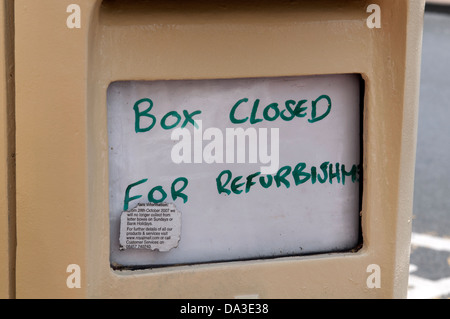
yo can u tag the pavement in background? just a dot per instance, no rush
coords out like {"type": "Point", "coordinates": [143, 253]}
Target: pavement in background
{"type": "Point", "coordinates": [430, 255]}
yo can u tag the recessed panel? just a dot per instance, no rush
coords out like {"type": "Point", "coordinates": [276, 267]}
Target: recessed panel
{"type": "Point", "coordinates": [233, 169]}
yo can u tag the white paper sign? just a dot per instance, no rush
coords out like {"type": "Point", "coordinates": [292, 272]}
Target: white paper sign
{"type": "Point", "coordinates": [257, 168]}
{"type": "Point", "coordinates": [150, 226]}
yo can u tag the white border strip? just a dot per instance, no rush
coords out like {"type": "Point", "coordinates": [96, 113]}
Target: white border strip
{"type": "Point", "coordinates": [432, 242]}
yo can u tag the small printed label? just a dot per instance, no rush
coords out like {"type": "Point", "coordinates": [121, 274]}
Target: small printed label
{"type": "Point", "coordinates": [150, 226]}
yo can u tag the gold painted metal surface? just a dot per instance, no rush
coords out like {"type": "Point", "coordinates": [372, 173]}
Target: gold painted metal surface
{"type": "Point", "coordinates": [62, 158]}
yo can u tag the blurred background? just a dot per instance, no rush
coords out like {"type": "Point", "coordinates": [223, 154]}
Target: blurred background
{"type": "Point", "coordinates": [430, 249]}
